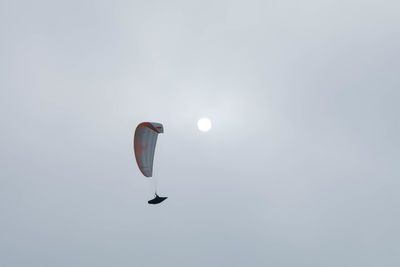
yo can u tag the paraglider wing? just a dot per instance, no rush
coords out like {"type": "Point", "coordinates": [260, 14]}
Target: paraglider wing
{"type": "Point", "coordinates": [144, 145]}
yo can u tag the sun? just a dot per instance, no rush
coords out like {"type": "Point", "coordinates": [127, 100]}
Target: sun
{"type": "Point", "coordinates": [204, 124]}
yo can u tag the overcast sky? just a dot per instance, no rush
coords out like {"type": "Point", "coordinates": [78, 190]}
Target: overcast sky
{"type": "Point", "coordinates": [301, 167]}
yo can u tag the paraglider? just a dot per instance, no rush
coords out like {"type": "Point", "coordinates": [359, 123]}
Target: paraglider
{"type": "Point", "coordinates": [144, 145]}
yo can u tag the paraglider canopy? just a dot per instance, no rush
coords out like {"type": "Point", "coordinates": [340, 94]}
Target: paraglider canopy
{"type": "Point", "coordinates": [144, 145]}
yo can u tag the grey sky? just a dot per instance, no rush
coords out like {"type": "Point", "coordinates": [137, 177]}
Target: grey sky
{"type": "Point", "coordinates": [301, 167]}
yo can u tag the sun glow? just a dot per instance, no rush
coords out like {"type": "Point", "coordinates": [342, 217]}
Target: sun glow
{"type": "Point", "coordinates": [204, 124]}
